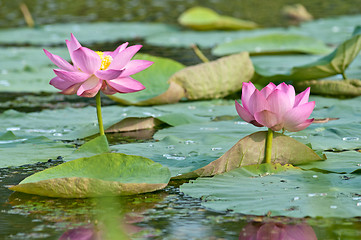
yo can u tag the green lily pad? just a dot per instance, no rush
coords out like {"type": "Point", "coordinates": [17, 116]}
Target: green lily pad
{"type": "Point", "coordinates": [251, 190]}
{"type": "Point", "coordinates": [338, 162]}
{"type": "Point", "coordinates": [78, 123]}
{"type": "Point", "coordinates": [86, 33]}
{"type": "Point", "coordinates": [273, 43]}
{"type": "Point", "coordinates": [333, 88]}
{"type": "Point", "coordinates": [333, 30]}
{"type": "Point", "coordinates": [27, 58]}
{"type": "Point", "coordinates": [205, 39]}
{"type": "Point", "coordinates": [108, 174]}
{"type": "Point", "coordinates": [250, 150]}
{"type": "Point", "coordinates": [155, 79]}
{"type": "Point", "coordinates": [201, 18]}
{"type": "Point", "coordinates": [31, 80]}
{"type": "Point", "coordinates": [332, 64]}
{"type": "Point", "coordinates": [215, 79]}
{"type": "Point", "coordinates": [21, 150]}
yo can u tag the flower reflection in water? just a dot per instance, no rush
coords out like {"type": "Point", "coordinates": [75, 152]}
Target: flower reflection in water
{"type": "Point", "coordinates": [277, 231]}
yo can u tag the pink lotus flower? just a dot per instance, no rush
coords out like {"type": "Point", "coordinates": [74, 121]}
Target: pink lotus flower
{"type": "Point", "coordinates": [275, 107]}
{"type": "Point", "coordinates": [93, 71]}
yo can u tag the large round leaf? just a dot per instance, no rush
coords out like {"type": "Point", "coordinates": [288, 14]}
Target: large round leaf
{"type": "Point", "coordinates": [270, 189]}
{"type": "Point", "coordinates": [250, 150]}
{"type": "Point", "coordinates": [27, 149]}
{"type": "Point", "coordinates": [108, 174]}
{"type": "Point", "coordinates": [273, 43]}
{"type": "Point", "coordinates": [86, 33]}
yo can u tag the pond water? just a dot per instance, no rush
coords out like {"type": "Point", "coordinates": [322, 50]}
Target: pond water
{"type": "Point", "coordinates": [166, 214]}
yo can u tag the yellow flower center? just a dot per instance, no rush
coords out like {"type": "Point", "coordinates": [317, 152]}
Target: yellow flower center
{"type": "Point", "coordinates": [106, 60]}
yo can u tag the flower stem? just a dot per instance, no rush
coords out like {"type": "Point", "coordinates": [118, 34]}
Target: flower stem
{"type": "Point", "coordinates": [199, 53]}
{"type": "Point", "coordinates": [99, 113]}
{"type": "Point", "coordinates": [344, 76]}
{"type": "Point", "coordinates": [269, 146]}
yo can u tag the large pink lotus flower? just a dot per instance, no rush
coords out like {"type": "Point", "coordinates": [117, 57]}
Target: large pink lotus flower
{"type": "Point", "coordinates": [275, 107]}
{"type": "Point", "coordinates": [93, 71]}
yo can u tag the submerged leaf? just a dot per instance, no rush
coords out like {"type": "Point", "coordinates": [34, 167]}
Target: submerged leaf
{"type": "Point", "coordinates": [201, 18]}
{"type": "Point", "coordinates": [286, 192]}
{"type": "Point", "coordinates": [250, 150]}
{"type": "Point", "coordinates": [108, 174]}
{"type": "Point", "coordinates": [273, 43]}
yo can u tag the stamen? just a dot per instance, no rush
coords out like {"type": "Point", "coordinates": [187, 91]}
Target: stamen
{"type": "Point", "coordinates": [106, 60]}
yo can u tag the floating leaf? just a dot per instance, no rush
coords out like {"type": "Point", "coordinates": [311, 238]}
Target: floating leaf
{"type": "Point", "coordinates": [20, 150]}
{"type": "Point", "coordinates": [332, 64]}
{"type": "Point", "coordinates": [293, 193]}
{"type": "Point", "coordinates": [93, 147]}
{"type": "Point", "coordinates": [215, 79]}
{"type": "Point", "coordinates": [338, 162]}
{"type": "Point", "coordinates": [86, 33]}
{"type": "Point", "coordinates": [250, 150]}
{"type": "Point", "coordinates": [272, 43]}
{"type": "Point", "coordinates": [155, 79]}
{"type": "Point", "coordinates": [205, 39]}
{"type": "Point", "coordinates": [333, 30]}
{"type": "Point", "coordinates": [201, 18]}
{"type": "Point", "coordinates": [333, 88]}
{"type": "Point", "coordinates": [27, 58]}
{"type": "Point", "coordinates": [108, 174]}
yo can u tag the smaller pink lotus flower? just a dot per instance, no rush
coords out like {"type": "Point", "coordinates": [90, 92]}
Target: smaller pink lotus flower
{"type": "Point", "coordinates": [93, 71]}
{"type": "Point", "coordinates": [275, 107]}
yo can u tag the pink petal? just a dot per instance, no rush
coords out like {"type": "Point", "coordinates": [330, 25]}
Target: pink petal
{"type": "Point", "coordinates": [73, 77]}
{"type": "Point", "coordinates": [108, 74]}
{"type": "Point", "coordinates": [298, 115]}
{"type": "Point", "coordinates": [243, 113]}
{"type": "Point", "coordinates": [91, 85]}
{"type": "Point", "coordinates": [269, 119]}
{"type": "Point", "coordinates": [247, 91]}
{"type": "Point", "coordinates": [60, 84]}
{"type": "Point", "coordinates": [289, 90]}
{"type": "Point", "coordinates": [60, 62]}
{"type": "Point", "coordinates": [117, 51]}
{"type": "Point", "coordinates": [71, 90]}
{"type": "Point", "coordinates": [266, 91]}
{"type": "Point", "coordinates": [126, 85]}
{"type": "Point", "coordinates": [299, 127]}
{"type": "Point", "coordinates": [256, 103]}
{"type": "Point", "coordinates": [135, 66]}
{"type": "Point", "coordinates": [72, 45]}
{"type": "Point", "coordinates": [279, 102]}
{"type": "Point", "coordinates": [124, 57]}
{"type": "Point", "coordinates": [108, 90]}
{"type": "Point", "coordinates": [302, 97]}
{"type": "Point", "coordinates": [87, 60]}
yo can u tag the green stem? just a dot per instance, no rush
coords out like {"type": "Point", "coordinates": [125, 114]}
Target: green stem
{"type": "Point", "coordinates": [344, 76]}
{"type": "Point", "coordinates": [99, 113]}
{"type": "Point", "coordinates": [199, 53]}
{"type": "Point", "coordinates": [269, 146]}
